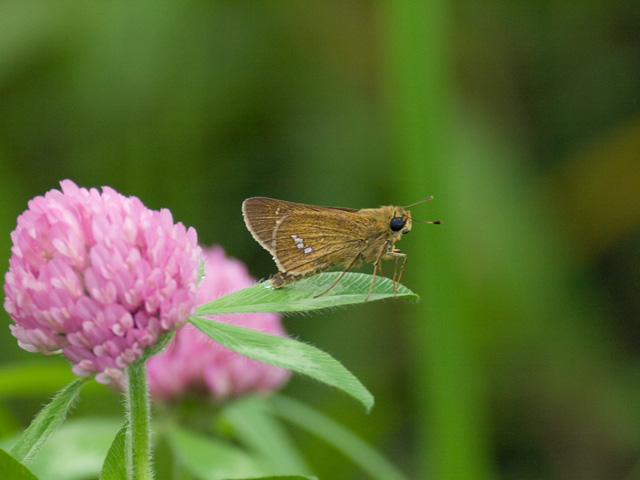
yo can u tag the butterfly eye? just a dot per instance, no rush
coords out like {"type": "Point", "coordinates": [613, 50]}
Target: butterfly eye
{"type": "Point", "coordinates": [396, 223]}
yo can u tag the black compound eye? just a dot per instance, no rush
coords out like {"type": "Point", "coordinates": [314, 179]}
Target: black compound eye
{"type": "Point", "coordinates": [396, 223]}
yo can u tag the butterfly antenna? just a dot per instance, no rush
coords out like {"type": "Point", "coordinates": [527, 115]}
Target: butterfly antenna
{"type": "Point", "coordinates": [432, 222]}
{"type": "Point", "coordinates": [421, 201]}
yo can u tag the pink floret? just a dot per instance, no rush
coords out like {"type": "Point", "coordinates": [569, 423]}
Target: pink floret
{"type": "Point", "coordinates": [98, 276]}
{"type": "Point", "coordinates": [194, 363]}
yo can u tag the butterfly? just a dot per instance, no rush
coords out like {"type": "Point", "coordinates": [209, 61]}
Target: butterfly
{"type": "Point", "coordinates": [307, 239]}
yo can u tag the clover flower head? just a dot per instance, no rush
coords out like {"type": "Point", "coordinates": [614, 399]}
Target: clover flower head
{"type": "Point", "coordinates": [99, 277]}
{"type": "Point", "coordinates": [194, 363]}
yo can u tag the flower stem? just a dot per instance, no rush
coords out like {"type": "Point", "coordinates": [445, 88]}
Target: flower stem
{"type": "Point", "coordinates": [139, 438]}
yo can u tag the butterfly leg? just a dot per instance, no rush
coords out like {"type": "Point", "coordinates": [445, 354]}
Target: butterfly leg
{"type": "Point", "coordinates": [377, 265]}
{"type": "Point", "coordinates": [341, 275]}
{"type": "Point", "coordinates": [395, 273]}
{"type": "Point", "coordinates": [395, 269]}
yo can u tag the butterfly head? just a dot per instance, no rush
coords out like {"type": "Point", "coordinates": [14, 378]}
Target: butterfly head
{"type": "Point", "coordinates": [400, 222]}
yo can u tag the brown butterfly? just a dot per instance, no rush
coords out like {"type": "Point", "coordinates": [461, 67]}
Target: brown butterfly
{"type": "Point", "coordinates": [308, 239]}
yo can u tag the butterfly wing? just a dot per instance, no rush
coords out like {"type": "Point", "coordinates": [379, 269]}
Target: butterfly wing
{"type": "Point", "coordinates": [304, 239]}
{"type": "Point", "coordinates": [310, 242]}
{"type": "Point", "coordinates": [262, 216]}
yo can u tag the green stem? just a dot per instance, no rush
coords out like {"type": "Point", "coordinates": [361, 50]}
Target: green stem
{"type": "Point", "coordinates": [139, 437]}
{"type": "Point", "coordinates": [453, 437]}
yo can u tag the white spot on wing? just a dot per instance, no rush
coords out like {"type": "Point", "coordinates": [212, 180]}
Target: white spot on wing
{"type": "Point", "coordinates": [307, 250]}
{"type": "Point", "coordinates": [298, 241]}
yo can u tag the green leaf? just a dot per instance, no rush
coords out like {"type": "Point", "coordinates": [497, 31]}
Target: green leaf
{"type": "Point", "coordinates": [299, 296]}
{"type": "Point", "coordinates": [46, 422]}
{"type": "Point", "coordinates": [13, 469]}
{"type": "Point", "coordinates": [77, 449]}
{"type": "Point", "coordinates": [201, 271]}
{"type": "Point", "coordinates": [353, 447]}
{"type": "Point", "coordinates": [255, 426]}
{"type": "Point", "coordinates": [285, 477]}
{"type": "Point", "coordinates": [209, 458]}
{"type": "Point", "coordinates": [157, 347]}
{"type": "Point", "coordinates": [115, 464]}
{"type": "Point", "coordinates": [287, 353]}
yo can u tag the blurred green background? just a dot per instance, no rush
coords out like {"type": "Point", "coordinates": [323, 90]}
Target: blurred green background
{"type": "Point", "coordinates": [522, 118]}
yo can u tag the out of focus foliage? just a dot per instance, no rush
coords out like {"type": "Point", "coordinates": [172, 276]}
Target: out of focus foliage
{"type": "Point", "coordinates": [197, 105]}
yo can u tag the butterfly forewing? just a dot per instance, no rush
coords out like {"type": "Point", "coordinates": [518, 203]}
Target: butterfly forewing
{"type": "Point", "coordinates": [305, 238]}
{"type": "Point", "coordinates": [314, 241]}
{"type": "Point", "coordinates": [261, 216]}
